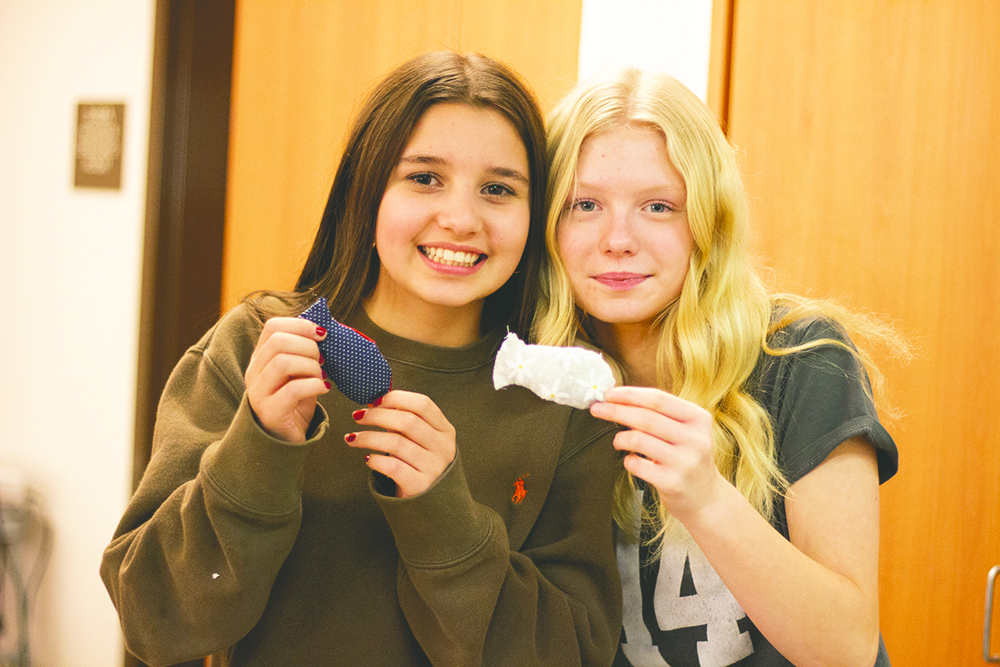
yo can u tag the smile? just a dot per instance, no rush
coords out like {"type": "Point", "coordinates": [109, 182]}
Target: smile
{"type": "Point", "coordinates": [451, 257]}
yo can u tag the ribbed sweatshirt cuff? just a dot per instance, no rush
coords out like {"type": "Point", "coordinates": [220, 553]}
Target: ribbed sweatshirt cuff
{"type": "Point", "coordinates": [441, 526]}
{"type": "Point", "coordinates": [260, 474]}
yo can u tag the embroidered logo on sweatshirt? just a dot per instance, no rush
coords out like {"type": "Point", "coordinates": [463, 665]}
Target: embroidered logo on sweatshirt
{"type": "Point", "coordinates": [519, 491]}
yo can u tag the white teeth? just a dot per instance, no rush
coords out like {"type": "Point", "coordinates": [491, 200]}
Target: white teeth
{"type": "Point", "coordinates": [450, 257]}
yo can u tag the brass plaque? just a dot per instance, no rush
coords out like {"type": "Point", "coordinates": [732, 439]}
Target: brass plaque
{"type": "Point", "coordinates": [99, 131]}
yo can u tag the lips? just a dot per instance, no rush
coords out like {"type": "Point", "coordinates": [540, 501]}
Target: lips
{"type": "Point", "coordinates": [620, 280]}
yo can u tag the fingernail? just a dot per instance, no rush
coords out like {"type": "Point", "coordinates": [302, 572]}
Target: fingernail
{"type": "Point", "coordinates": [358, 414]}
{"type": "Point", "coordinates": [367, 456]}
{"type": "Point", "coordinates": [327, 384]}
{"type": "Point", "coordinates": [350, 437]}
{"type": "Point", "coordinates": [320, 331]}
{"type": "Point", "coordinates": [323, 372]}
{"type": "Point", "coordinates": [321, 360]}
{"type": "Point", "coordinates": [377, 402]}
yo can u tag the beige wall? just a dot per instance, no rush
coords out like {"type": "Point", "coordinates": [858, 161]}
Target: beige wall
{"type": "Point", "coordinates": [69, 303]}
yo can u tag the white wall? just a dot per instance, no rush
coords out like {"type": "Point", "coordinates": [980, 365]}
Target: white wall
{"type": "Point", "coordinates": [672, 36]}
{"type": "Point", "coordinates": [69, 299]}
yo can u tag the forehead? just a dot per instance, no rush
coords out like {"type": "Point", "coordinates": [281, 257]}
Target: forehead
{"type": "Point", "coordinates": [449, 125]}
{"type": "Point", "coordinates": [627, 156]}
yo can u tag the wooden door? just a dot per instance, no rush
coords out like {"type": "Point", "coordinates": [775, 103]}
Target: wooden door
{"type": "Point", "coordinates": [300, 70]}
{"type": "Point", "coordinates": [871, 131]}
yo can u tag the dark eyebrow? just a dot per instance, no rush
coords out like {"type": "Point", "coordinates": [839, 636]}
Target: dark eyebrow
{"type": "Point", "coordinates": [420, 159]}
{"type": "Point", "coordinates": [502, 172]}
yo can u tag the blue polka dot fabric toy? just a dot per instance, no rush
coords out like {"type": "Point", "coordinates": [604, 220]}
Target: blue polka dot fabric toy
{"type": "Point", "coordinates": [350, 359]}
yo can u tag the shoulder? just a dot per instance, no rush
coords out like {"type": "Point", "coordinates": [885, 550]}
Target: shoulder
{"type": "Point", "coordinates": [804, 331]}
{"type": "Point", "coordinates": [228, 345]}
{"type": "Point", "coordinates": [235, 333]}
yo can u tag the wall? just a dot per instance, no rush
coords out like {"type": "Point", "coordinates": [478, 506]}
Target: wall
{"type": "Point", "coordinates": [69, 304]}
{"type": "Point", "coordinates": [672, 36]}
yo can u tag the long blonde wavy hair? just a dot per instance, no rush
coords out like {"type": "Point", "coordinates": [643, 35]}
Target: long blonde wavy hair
{"type": "Point", "coordinates": [710, 338]}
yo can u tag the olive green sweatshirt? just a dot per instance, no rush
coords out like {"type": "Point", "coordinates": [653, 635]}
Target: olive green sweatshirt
{"type": "Point", "coordinates": [268, 553]}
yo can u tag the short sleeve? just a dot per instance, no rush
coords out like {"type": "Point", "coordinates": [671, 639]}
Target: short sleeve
{"type": "Point", "coordinates": [817, 399]}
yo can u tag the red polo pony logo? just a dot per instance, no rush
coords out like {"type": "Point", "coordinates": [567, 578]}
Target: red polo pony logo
{"type": "Point", "coordinates": [519, 491]}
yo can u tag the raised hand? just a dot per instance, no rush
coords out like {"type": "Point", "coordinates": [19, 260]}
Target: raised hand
{"type": "Point", "coordinates": [670, 445]}
{"type": "Point", "coordinates": [284, 377]}
{"type": "Point", "coordinates": [416, 445]}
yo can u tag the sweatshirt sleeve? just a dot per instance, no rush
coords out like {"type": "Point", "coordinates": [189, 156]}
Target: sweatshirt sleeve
{"type": "Point", "coordinates": [192, 562]}
{"type": "Point", "coordinates": [471, 599]}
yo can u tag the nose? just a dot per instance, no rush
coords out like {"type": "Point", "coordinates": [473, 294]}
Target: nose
{"type": "Point", "coordinates": [459, 214]}
{"type": "Point", "coordinates": [617, 236]}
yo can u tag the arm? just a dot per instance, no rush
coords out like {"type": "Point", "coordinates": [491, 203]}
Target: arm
{"type": "Point", "coordinates": [191, 564]}
{"type": "Point", "coordinates": [472, 599]}
{"type": "Point", "coordinates": [814, 598]}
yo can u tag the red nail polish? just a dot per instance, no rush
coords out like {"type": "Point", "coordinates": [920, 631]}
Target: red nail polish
{"type": "Point", "coordinates": [367, 456]}
{"type": "Point", "coordinates": [321, 360]}
{"type": "Point", "coordinates": [323, 373]}
{"type": "Point", "coordinates": [327, 384]}
{"type": "Point", "coordinates": [358, 414]}
{"type": "Point", "coordinates": [350, 437]}
{"type": "Point", "coordinates": [377, 402]}
{"type": "Point", "coordinates": [320, 331]}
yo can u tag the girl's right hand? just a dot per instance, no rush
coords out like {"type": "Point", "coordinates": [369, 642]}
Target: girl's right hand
{"type": "Point", "coordinates": [284, 377]}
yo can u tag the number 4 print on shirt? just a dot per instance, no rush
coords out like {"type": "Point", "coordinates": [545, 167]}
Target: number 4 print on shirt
{"type": "Point", "coordinates": [678, 613]}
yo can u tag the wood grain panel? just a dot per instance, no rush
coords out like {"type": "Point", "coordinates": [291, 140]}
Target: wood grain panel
{"type": "Point", "coordinates": [870, 132]}
{"type": "Point", "coordinates": [301, 69]}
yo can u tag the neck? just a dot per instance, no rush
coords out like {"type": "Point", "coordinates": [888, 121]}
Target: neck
{"type": "Point", "coordinates": [634, 347]}
{"type": "Point", "coordinates": [434, 325]}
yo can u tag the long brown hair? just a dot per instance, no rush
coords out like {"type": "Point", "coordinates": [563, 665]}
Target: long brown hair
{"type": "Point", "coordinates": [342, 265]}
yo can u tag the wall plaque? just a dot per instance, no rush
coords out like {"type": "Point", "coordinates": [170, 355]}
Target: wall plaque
{"type": "Point", "coordinates": [99, 129]}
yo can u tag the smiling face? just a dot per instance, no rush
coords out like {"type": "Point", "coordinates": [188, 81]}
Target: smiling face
{"type": "Point", "coordinates": [624, 236]}
{"type": "Point", "coordinates": [453, 220]}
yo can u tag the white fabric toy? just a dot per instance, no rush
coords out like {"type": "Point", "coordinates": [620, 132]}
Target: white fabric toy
{"type": "Point", "coordinates": [566, 375]}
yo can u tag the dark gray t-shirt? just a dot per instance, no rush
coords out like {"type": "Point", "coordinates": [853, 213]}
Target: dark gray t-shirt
{"type": "Point", "coordinates": [678, 613]}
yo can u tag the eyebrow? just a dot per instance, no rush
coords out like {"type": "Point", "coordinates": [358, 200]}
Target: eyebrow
{"type": "Point", "coordinates": [433, 160]}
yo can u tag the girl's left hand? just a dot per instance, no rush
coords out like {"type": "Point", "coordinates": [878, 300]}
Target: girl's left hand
{"type": "Point", "coordinates": [417, 445]}
{"type": "Point", "coordinates": [670, 445]}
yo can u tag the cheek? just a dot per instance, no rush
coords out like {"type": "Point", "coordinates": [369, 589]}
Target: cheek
{"type": "Point", "coordinates": [572, 245]}
{"type": "Point", "coordinates": [512, 235]}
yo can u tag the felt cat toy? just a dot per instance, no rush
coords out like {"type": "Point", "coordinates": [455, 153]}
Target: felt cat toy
{"type": "Point", "coordinates": [566, 375]}
{"type": "Point", "coordinates": [350, 359]}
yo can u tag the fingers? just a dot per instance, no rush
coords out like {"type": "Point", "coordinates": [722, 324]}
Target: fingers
{"type": "Point", "coordinates": [416, 445]}
{"type": "Point", "coordinates": [286, 335]}
{"type": "Point", "coordinates": [284, 377]}
{"type": "Point", "coordinates": [668, 444]}
{"type": "Point", "coordinates": [654, 412]}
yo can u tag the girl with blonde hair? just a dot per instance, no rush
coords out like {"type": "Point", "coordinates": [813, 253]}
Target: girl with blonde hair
{"type": "Point", "coordinates": [753, 447]}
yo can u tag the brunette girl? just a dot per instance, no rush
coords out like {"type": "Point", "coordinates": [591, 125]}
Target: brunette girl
{"type": "Point", "coordinates": [279, 523]}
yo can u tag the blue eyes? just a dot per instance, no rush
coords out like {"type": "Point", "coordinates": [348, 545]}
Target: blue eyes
{"type": "Point", "coordinates": [659, 207]}
{"type": "Point", "coordinates": [589, 206]}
